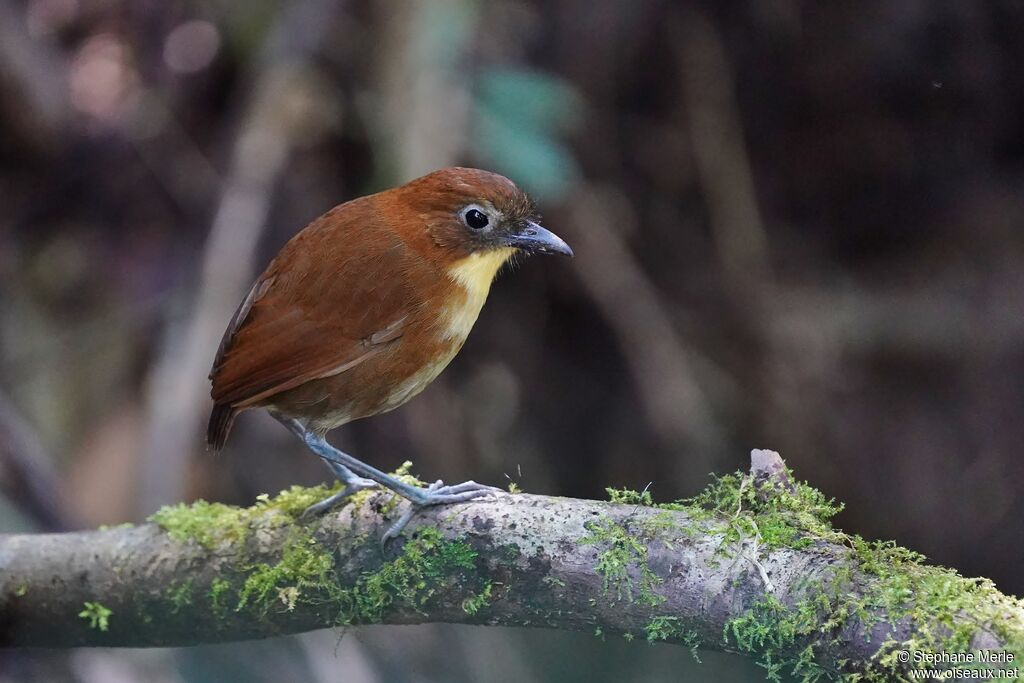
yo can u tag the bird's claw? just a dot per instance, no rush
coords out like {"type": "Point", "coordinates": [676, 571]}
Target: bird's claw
{"type": "Point", "coordinates": [438, 494]}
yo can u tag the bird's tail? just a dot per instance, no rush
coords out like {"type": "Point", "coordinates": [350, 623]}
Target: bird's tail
{"type": "Point", "coordinates": [221, 419]}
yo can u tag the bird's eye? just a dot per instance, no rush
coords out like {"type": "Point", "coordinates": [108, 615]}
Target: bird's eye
{"type": "Point", "coordinates": [476, 219]}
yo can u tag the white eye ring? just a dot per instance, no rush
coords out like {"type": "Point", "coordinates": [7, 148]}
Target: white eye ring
{"type": "Point", "coordinates": [476, 217]}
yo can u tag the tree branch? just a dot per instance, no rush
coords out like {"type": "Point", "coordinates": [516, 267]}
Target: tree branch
{"type": "Point", "coordinates": [750, 565]}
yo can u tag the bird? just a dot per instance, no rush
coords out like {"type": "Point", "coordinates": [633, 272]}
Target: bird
{"type": "Point", "coordinates": [364, 307]}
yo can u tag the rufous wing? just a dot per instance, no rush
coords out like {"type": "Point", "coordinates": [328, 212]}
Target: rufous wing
{"type": "Point", "coordinates": [338, 293]}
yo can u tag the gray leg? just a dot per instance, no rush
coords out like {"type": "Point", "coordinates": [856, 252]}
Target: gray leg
{"type": "Point", "coordinates": [435, 494]}
{"type": "Point", "coordinates": [352, 481]}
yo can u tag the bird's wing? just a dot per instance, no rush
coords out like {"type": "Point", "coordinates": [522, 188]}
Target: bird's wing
{"type": "Point", "coordinates": [316, 311]}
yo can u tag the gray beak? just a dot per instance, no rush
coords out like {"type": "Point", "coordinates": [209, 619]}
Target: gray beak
{"type": "Point", "coordinates": [534, 239]}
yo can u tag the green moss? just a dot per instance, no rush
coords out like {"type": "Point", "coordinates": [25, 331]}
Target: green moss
{"type": "Point", "coordinates": [770, 631]}
{"type": "Point", "coordinates": [305, 573]}
{"type": "Point", "coordinates": [667, 628]}
{"type": "Point", "coordinates": [97, 615]}
{"type": "Point", "coordinates": [663, 628]}
{"type": "Point", "coordinates": [180, 595]}
{"type": "Point", "coordinates": [896, 583]}
{"type": "Point", "coordinates": [211, 524]}
{"type": "Point", "coordinates": [629, 496]}
{"type": "Point", "coordinates": [508, 552]}
{"type": "Point", "coordinates": [428, 564]}
{"type": "Point", "coordinates": [294, 500]}
{"type": "Point", "coordinates": [624, 552]}
{"type": "Point", "coordinates": [938, 601]}
{"type": "Point", "coordinates": [775, 515]}
{"type": "Point", "coordinates": [878, 578]}
{"type": "Point", "coordinates": [475, 603]}
{"type": "Point", "coordinates": [219, 590]}
{"type": "Point", "coordinates": [304, 565]}
{"type": "Point", "coordinates": [208, 524]}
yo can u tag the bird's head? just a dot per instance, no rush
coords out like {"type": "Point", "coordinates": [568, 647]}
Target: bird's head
{"type": "Point", "coordinates": [466, 212]}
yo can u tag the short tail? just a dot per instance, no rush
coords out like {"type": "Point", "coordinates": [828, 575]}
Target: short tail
{"type": "Point", "coordinates": [221, 419]}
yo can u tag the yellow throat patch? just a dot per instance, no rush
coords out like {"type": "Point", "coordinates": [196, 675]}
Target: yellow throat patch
{"type": "Point", "coordinates": [474, 274]}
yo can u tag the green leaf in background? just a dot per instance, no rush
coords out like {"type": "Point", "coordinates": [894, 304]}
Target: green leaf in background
{"type": "Point", "coordinates": [529, 98]}
{"type": "Point", "coordinates": [521, 116]}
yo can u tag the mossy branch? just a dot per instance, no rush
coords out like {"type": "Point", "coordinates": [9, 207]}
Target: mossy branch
{"type": "Point", "coordinates": [750, 565]}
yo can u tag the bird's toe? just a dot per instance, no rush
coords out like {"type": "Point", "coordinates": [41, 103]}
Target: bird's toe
{"type": "Point", "coordinates": [439, 494]}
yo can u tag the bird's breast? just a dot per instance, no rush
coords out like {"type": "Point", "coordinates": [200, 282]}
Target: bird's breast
{"type": "Point", "coordinates": [457, 312]}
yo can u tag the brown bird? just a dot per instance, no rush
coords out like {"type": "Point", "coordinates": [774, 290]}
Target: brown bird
{"type": "Point", "coordinates": [362, 309]}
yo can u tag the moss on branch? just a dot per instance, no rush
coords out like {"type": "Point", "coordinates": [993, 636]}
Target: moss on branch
{"type": "Point", "coordinates": [752, 564]}
{"type": "Point", "coordinates": [305, 574]}
{"type": "Point", "coordinates": [876, 584]}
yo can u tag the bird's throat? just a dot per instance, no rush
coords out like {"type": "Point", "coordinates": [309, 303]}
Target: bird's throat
{"type": "Point", "coordinates": [476, 272]}
{"type": "Point", "coordinates": [473, 276]}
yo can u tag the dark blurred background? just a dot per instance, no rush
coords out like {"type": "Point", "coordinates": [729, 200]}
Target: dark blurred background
{"type": "Point", "coordinates": [798, 226]}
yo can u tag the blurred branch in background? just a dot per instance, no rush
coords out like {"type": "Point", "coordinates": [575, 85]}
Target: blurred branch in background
{"type": "Point", "coordinates": [663, 365]}
{"type": "Point", "coordinates": [710, 107]}
{"type": "Point", "coordinates": [28, 474]}
{"type": "Point", "coordinates": [39, 78]}
{"type": "Point", "coordinates": [424, 84]}
{"type": "Point", "coordinates": [720, 154]}
{"type": "Point", "coordinates": [279, 107]}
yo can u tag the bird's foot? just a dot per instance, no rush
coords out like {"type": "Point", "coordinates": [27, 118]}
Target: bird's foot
{"type": "Point", "coordinates": [438, 494]}
{"type": "Point", "coordinates": [352, 485]}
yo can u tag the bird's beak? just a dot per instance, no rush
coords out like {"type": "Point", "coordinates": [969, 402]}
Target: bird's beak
{"type": "Point", "coordinates": [534, 239]}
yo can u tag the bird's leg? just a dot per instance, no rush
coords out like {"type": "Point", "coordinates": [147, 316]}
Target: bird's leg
{"type": "Point", "coordinates": [352, 481]}
{"type": "Point", "coordinates": [435, 494]}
